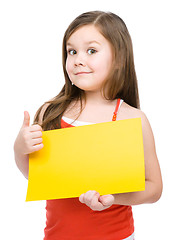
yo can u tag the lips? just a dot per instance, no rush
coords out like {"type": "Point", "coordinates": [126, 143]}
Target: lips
{"type": "Point", "coordinates": [82, 73]}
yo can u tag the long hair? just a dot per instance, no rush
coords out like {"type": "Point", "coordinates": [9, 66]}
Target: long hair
{"type": "Point", "coordinates": [121, 81]}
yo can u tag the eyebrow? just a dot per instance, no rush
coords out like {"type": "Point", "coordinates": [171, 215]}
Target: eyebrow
{"type": "Point", "coordinates": [90, 42]}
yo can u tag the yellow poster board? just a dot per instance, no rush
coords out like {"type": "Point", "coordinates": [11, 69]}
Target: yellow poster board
{"type": "Point", "coordinates": [105, 157]}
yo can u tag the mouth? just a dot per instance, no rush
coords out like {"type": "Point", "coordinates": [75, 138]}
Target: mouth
{"type": "Point", "coordinates": [82, 73]}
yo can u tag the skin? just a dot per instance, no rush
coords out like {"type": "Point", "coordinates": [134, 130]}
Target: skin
{"type": "Point", "coordinates": [97, 64]}
{"type": "Point", "coordinates": [89, 61]}
{"type": "Point", "coordinates": [28, 141]}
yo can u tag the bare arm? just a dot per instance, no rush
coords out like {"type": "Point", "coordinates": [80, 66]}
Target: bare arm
{"type": "Point", "coordinates": [22, 162]}
{"type": "Point", "coordinates": [28, 140]}
{"type": "Point", "coordinates": [153, 179]}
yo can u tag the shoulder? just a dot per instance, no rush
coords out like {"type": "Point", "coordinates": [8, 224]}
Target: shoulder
{"type": "Point", "coordinates": [148, 137]}
{"type": "Point", "coordinates": [128, 111]}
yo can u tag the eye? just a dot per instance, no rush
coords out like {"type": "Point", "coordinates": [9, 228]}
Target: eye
{"type": "Point", "coordinates": [91, 51]}
{"type": "Point", "coordinates": [72, 52]}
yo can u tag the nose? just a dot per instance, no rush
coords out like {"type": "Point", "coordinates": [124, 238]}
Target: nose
{"type": "Point", "coordinates": [79, 60]}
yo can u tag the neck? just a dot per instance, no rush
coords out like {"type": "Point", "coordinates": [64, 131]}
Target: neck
{"type": "Point", "coordinates": [96, 98]}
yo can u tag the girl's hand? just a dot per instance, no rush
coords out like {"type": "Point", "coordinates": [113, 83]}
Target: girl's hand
{"type": "Point", "coordinates": [29, 138]}
{"type": "Point", "coordinates": [96, 202]}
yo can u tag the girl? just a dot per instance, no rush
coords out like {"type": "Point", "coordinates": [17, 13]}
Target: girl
{"type": "Point", "coordinates": [100, 86]}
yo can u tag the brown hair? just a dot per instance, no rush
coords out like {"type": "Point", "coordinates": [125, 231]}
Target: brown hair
{"type": "Point", "coordinates": [122, 80]}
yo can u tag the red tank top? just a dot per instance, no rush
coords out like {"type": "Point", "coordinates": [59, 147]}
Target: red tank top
{"type": "Point", "coordinates": [68, 219]}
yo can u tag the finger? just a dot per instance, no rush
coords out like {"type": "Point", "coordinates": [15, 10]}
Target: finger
{"type": "Point", "coordinates": [95, 204]}
{"type": "Point", "coordinates": [88, 197]}
{"type": "Point", "coordinates": [37, 134]}
{"type": "Point", "coordinates": [37, 147]}
{"type": "Point", "coordinates": [81, 198]}
{"type": "Point", "coordinates": [26, 121]}
{"type": "Point", "coordinates": [106, 200]}
{"type": "Point", "coordinates": [35, 128]}
{"type": "Point", "coordinates": [36, 141]}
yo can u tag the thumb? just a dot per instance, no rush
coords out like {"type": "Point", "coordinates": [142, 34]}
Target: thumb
{"type": "Point", "coordinates": [26, 121]}
{"type": "Point", "coordinates": [107, 200]}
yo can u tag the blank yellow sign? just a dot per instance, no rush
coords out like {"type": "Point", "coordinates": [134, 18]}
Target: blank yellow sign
{"type": "Point", "coordinates": [106, 157]}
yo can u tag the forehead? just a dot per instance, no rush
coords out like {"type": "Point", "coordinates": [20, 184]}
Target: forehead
{"type": "Point", "coordinates": [86, 34]}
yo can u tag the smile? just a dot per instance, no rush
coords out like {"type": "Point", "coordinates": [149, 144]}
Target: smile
{"type": "Point", "coordinates": [82, 73]}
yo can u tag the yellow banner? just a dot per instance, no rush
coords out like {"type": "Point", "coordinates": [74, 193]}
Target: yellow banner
{"type": "Point", "coordinates": [105, 157]}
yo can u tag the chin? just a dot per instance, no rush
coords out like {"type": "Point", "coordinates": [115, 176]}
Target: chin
{"type": "Point", "coordinates": [86, 88]}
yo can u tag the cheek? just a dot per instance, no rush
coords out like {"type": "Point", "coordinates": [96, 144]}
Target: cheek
{"type": "Point", "coordinates": [95, 64]}
{"type": "Point", "coordinates": [102, 63]}
{"type": "Point", "coordinates": [68, 66]}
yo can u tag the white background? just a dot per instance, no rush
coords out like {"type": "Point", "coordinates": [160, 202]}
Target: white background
{"type": "Point", "coordinates": [31, 73]}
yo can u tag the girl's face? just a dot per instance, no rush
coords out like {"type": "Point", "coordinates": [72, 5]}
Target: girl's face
{"type": "Point", "coordinates": [89, 58]}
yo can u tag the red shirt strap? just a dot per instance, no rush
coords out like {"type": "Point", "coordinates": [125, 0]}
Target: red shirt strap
{"type": "Point", "coordinates": [116, 110]}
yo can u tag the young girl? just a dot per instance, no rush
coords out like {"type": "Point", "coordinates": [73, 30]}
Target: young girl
{"type": "Point", "coordinates": [100, 86]}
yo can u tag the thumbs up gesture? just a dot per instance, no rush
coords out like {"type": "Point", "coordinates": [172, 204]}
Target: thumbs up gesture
{"type": "Point", "coordinates": [29, 138]}
{"type": "Point", "coordinates": [26, 121]}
